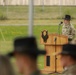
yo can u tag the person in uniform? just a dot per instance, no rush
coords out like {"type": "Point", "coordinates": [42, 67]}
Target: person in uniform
{"type": "Point", "coordinates": [26, 53]}
{"type": "Point", "coordinates": [73, 41]}
{"type": "Point", "coordinates": [68, 29]}
{"type": "Point", "coordinates": [68, 59]}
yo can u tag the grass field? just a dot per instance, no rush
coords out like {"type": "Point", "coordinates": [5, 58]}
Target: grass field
{"type": "Point", "coordinates": [18, 15]}
{"type": "Point", "coordinates": [11, 32]}
{"type": "Point", "coordinates": [49, 12]}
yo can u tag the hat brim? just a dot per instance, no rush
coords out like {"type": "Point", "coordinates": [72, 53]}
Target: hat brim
{"type": "Point", "coordinates": [39, 52]}
{"type": "Point", "coordinates": [66, 19]}
{"type": "Point", "coordinates": [42, 52]}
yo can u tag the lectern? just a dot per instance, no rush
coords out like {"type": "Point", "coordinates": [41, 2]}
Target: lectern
{"type": "Point", "coordinates": [53, 44]}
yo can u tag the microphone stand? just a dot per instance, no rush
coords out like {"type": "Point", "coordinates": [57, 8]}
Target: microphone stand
{"type": "Point", "coordinates": [55, 40]}
{"type": "Point", "coordinates": [56, 56]}
{"type": "Point", "coordinates": [56, 50]}
{"type": "Point", "coordinates": [59, 29]}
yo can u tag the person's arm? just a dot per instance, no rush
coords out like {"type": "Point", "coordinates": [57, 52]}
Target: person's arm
{"type": "Point", "coordinates": [73, 30]}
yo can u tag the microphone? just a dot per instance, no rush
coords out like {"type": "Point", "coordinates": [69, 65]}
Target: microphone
{"type": "Point", "coordinates": [60, 23]}
{"type": "Point", "coordinates": [55, 39]}
{"type": "Point", "coordinates": [59, 27]}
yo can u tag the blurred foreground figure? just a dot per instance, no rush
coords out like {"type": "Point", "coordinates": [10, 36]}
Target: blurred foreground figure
{"type": "Point", "coordinates": [26, 53]}
{"type": "Point", "coordinates": [5, 66]}
{"type": "Point", "coordinates": [68, 29]}
{"type": "Point", "coordinates": [68, 59]}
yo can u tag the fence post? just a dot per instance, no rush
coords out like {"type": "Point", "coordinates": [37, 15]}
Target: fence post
{"type": "Point", "coordinates": [31, 17]}
{"type": "Point", "coordinates": [42, 5]}
{"type": "Point", "coordinates": [7, 8]}
{"type": "Point", "coordinates": [60, 8]}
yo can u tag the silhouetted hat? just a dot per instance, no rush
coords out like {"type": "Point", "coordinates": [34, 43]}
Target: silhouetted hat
{"type": "Point", "coordinates": [67, 17]}
{"type": "Point", "coordinates": [68, 49]}
{"type": "Point", "coordinates": [26, 45]}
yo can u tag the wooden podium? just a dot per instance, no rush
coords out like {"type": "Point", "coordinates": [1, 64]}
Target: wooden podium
{"type": "Point", "coordinates": [53, 44]}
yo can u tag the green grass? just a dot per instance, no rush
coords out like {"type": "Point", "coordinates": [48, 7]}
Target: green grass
{"type": "Point", "coordinates": [50, 12]}
{"type": "Point", "coordinates": [11, 32]}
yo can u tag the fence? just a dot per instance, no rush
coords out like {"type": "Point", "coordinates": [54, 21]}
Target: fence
{"type": "Point", "coordinates": [40, 12]}
{"type": "Point", "coordinates": [16, 11]}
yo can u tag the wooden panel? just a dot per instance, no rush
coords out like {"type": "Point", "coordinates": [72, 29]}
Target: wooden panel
{"type": "Point", "coordinates": [50, 50]}
{"type": "Point", "coordinates": [60, 39]}
{"type": "Point", "coordinates": [59, 66]}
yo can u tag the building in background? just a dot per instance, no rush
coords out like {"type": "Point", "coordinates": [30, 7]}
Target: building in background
{"type": "Point", "coordinates": [38, 2]}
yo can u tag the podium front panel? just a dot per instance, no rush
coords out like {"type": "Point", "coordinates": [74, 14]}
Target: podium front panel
{"type": "Point", "coordinates": [52, 38]}
{"type": "Point", "coordinates": [59, 66]}
{"type": "Point", "coordinates": [50, 58]}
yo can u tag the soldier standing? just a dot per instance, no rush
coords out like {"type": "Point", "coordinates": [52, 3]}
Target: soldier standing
{"type": "Point", "coordinates": [26, 53]}
{"type": "Point", "coordinates": [68, 59]}
{"type": "Point", "coordinates": [68, 29]}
